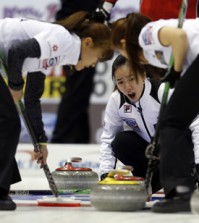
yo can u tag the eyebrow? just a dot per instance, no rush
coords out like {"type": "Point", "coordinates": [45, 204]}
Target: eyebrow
{"type": "Point", "coordinates": [130, 75]}
{"type": "Point", "coordinates": [119, 79]}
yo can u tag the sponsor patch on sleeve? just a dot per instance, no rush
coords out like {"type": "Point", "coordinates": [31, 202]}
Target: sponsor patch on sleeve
{"type": "Point", "coordinates": [51, 62]}
{"type": "Point", "coordinates": [147, 36]}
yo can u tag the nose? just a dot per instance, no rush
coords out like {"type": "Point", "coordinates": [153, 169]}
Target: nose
{"type": "Point", "coordinates": [127, 85]}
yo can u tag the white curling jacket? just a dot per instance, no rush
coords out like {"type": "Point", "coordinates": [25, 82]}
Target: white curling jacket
{"type": "Point", "coordinates": [141, 117]}
{"type": "Point", "coordinates": [58, 46]}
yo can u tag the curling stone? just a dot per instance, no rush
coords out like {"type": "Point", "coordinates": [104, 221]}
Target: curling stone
{"type": "Point", "coordinates": [119, 192]}
{"type": "Point", "coordinates": [195, 202]}
{"type": "Point", "coordinates": [70, 179]}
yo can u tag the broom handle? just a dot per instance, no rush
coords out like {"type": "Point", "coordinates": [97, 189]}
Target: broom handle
{"type": "Point", "coordinates": [22, 111]}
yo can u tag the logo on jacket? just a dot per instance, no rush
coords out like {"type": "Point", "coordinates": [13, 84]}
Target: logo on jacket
{"type": "Point", "coordinates": [147, 36]}
{"type": "Point", "coordinates": [49, 62]}
{"type": "Point", "coordinates": [132, 123]}
{"type": "Point", "coordinates": [127, 108]}
{"type": "Point", "coordinates": [160, 57]}
{"type": "Point", "coordinates": [55, 48]}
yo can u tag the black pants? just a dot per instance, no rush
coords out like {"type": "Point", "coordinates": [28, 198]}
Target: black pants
{"type": "Point", "coordinates": [177, 155]}
{"type": "Point", "coordinates": [129, 148]}
{"type": "Point", "coordinates": [9, 137]}
{"type": "Point", "coordinates": [72, 125]}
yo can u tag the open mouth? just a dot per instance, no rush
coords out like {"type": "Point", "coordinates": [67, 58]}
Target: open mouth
{"type": "Point", "coordinates": [131, 95]}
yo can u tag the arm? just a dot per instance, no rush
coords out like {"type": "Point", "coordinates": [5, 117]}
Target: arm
{"type": "Point", "coordinates": [33, 92]}
{"type": "Point", "coordinates": [16, 56]}
{"type": "Point", "coordinates": [34, 88]}
{"type": "Point", "coordinates": [112, 125]}
{"type": "Point", "coordinates": [161, 92]}
{"type": "Point", "coordinates": [102, 13]}
{"type": "Point", "coordinates": [176, 38]}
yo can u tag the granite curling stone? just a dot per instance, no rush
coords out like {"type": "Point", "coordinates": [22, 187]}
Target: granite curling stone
{"type": "Point", "coordinates": [71, 179]}
{"type": "Point", "coordinates": [119, 192]}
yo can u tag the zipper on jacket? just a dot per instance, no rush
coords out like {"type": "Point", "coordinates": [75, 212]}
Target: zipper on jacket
{"type": "Point", "coordinates": [140, 111]}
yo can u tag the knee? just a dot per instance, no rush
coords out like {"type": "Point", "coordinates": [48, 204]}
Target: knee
{"type": "Point", "coordinates": [118, 142]}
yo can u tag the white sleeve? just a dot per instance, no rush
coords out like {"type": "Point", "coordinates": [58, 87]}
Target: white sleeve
{"type": "Point", "coordinates": [112, 125]}
{"type": "Point", "coordinates": [148, 37]}
{"type": "Point", "coordinates": [161, 92]}
{"type": "Point", "coordinates": [54, 41]}
{"type": "Point", "coordinates": [194, 127]}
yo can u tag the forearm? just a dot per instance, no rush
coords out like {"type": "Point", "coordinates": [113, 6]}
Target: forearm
{"type": "Point", "coordinates": [33, 92]}
{"type": "Point", "coordinates": [179, 48]}
{"type": "Point", "coordinates": [107, 158]}
{"type": "Point", "coordinates": [108, 5]}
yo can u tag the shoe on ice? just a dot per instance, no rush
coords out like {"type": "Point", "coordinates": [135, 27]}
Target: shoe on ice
{"type": "Point", "coordinates": [172, 206]}
{"type": "Point", "coordinates": [7, 204]}
{"type": "Point", "coordinates": [180, 202]}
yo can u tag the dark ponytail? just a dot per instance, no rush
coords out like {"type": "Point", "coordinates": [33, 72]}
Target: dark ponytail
{"type": "Point", "coordinates": [84, 25]}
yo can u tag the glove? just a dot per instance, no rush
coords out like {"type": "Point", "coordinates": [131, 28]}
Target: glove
{"type": "Point", "coordinates": [172, 77]}
{"type": "Point", "coordinates": [103, 176]}
{"type": "Point", "coordinates": [102, 13]}
{"type": "Point", "coordinates": [152, 152]}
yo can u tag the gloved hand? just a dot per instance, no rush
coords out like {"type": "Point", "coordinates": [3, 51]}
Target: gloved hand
{"type": "Point", "coordinates": [102, 13]}
{"type": "Point", "coordinates": [152, 152]}
{"type": "Point", "coordinates": [103, 176]}
{"type": "Point", "coordinates": [172, 77]}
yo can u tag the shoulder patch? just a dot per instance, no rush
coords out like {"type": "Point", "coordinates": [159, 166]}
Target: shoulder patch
{"type": "Point", "coordinates": [147, 36]}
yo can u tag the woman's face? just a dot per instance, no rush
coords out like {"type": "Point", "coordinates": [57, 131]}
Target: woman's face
{"type": "Point", "coordinates": [127, 83]}
{"type": "Point", "coordinates": [90, 55]}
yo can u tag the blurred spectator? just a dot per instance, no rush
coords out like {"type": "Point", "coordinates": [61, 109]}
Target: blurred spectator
{"type": "Point", "coordinates": [72, 125]}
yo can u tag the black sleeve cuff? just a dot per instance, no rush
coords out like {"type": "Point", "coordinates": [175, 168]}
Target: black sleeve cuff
{"type": "Point", "coordinates": [43, 138]}
{"type": "Point", "coordinates": [16, 86]}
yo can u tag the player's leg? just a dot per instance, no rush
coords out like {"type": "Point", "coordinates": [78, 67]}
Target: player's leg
{"type": "Point", "coordinates": [129, 148]}
{"type": "Point", "coordinates": [176, 142]}
{"type": "Point", "coordinates": [9, 136]}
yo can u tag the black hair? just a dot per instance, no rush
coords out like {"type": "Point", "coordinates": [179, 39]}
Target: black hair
{"type": "Point", "coordinates": [118, 62]}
